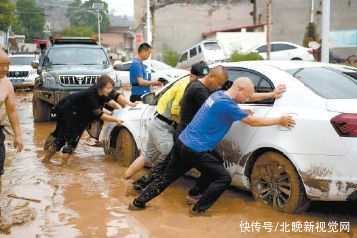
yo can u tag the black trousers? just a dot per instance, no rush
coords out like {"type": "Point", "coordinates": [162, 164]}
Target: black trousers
{"type": "Point", "coordinates": [2, 150]}
{"type": "Point", "coordinates": [68, 132]}
{"type": "Point", "coordinates": [183, 159]}
{"type": "Point", "coordinates": [134, 98]}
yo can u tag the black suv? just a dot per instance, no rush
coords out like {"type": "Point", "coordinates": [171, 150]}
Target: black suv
{"type": "Point", "coordinates": [68, 66]}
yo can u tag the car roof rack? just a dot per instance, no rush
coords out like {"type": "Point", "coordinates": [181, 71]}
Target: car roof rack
{"type": "Point", "coordinates": [60, 40]}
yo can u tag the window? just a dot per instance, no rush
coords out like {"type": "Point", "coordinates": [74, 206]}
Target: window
{"type": "Point", "coordinates": [183, 57]}
{"type": "Point", "coordinates": [281, 47]}
{"type": "Point", "coordinates": [125, 67]}
{"type": "Point", "coordinates": [193, 52]}
{"type": "Point", "coordinates": [77, 56]}
{"type": "Point", "coordinates": [262, 49]}
{"type": "Point", "coordinates": [327, 82]}
{"type": "Point", "coordinates": [261, 83]}
{"type": "Point", "coordinates": [21, 60]}
{"type": "Point", "coordinates": [211, 46]}
{"type": "Point", "coordinates": [199, 49]}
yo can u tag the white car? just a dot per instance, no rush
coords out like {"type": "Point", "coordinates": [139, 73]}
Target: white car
{"type": "Point", "coordinates": [159, 70]}
{"type": "Point", "coordinates": [281, 50]}
{"type": "Point", "coordinates": [21, 73]}
{"type": "Point", "coordinates": [285, 168]}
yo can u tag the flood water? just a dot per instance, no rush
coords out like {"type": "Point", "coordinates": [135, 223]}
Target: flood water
{"type": "Point", "coordinates": [88, 199]}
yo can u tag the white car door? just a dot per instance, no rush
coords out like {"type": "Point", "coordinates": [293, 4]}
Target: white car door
{"type": "Point", "coordinates": [233, 148]}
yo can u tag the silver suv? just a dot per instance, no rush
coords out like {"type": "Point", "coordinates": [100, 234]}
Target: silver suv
{"type": "Point", "coordinates": [68, 66]}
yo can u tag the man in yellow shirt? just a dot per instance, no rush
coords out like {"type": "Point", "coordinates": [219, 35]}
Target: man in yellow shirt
{"type": "Point", "coordinates": [161, 128]}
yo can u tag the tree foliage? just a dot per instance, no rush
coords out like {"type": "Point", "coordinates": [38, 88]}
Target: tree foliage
{"type": "Point", "coordinates": [31, 18]}
{"type": "Point", "coordinates": [79, 31]}
{"type": "Point", "coordinates": [7, 15]}
{"type": "Point", "coordinates": [79, 15]}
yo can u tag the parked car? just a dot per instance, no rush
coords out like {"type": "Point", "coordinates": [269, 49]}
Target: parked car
{"type": "Point", "coordinates": [207, 51]}
{"type": "Point", "coordinates": [21, 74]}
{"type": "Point", "coordinates": [70, 65]}
{"type": "Point", "coordinates": [281, 50]}
{"type": "Point", "coordinates": [285, 168]}
{"type": "Point", "coordinates": [155, 69]}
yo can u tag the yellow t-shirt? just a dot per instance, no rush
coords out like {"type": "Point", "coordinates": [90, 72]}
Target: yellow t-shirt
{"type": "Point", "coordinates": [169, 102]}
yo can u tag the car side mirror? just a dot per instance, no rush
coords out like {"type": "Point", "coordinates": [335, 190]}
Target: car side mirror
{"type": "Point", "coordinates": [118, 66]}
{"type": "Point", "coordinates": [35, 64]}
{"type": "Point", "coordinates": [149, 98]}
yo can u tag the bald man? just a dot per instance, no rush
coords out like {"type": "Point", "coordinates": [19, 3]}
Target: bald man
{"type": "Point", "coordinates": [7, 98]}
{"type": "Point", "coordinates": [194, 145]}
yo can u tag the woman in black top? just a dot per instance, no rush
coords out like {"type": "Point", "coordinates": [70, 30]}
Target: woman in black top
{"type": "Point", "coordinates": [76, 112]}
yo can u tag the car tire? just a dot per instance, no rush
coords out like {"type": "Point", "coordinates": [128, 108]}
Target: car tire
{"type": "Point", "coordinates": [296, 59]}
{"type": "Point", "coordinates": [125, 148]}
{"type": "Point", "coordinates": [41, 110]}
{"type": "Point", "coordinates": [275, 181]}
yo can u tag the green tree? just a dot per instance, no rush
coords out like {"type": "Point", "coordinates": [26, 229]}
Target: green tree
{"type": "Point", "coordinates": [79, 15]}
{"type": "Point", "coordinates": [79, 31]}
{"type": "Point", "coordinates": [31, 18]}
{"type": "Point", "coordinates": [170, 56]}
{"type": "Point", "coordinates": [7, 15]}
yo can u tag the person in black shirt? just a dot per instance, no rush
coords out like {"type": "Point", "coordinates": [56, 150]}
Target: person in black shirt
{"type": "Point", "coordinates": [76, 112]}
{"type": "Point", "coordinates": [195, 95]}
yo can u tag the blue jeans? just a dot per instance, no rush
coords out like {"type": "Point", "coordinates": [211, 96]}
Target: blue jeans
{"type": "Point", "coordinates": [2, 151]}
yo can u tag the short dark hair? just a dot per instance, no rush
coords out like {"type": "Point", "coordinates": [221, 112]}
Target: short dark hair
{"type": "Point", "coordinates": [144, 47]}
{"type": "Point", "coordinates": [103, 80]}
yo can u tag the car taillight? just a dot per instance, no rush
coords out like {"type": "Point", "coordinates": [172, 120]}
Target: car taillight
{"type": "Point", "coordinates": [345, 124]}
{"type": "Point", "coordinates": [311, 52]}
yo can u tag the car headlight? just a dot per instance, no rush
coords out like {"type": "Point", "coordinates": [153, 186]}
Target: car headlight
{"type": "Point", "coordinates": [48, 78]}
{"type": "Point", "coordinates": [114, 76]}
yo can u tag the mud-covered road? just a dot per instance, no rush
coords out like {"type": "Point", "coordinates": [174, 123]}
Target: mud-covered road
{"type": "Point", "coordinates": [87, 199]}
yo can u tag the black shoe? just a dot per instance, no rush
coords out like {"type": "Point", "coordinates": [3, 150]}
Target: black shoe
{"type": "Point", "coordinates": [134, 207]}
{"type": "Point", "coordinates": [196, 213]}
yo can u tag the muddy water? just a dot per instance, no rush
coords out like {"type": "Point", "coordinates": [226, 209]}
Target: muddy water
{"type": "Point", "coordinates": [87, 199]}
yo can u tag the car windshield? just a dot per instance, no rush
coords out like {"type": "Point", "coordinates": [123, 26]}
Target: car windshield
{"type": "Point", "coordinates": [158, 65]}
{"type": "Point", "coordinates": [327, 82]}
{"type": "Point", "coordinates": [20, 60]}
{"type": "Point", "coordinates": [211, 46]}
{"type": "Point", "coordinates": [77, 56]}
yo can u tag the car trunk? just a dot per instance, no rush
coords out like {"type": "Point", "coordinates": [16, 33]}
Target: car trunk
{"type": "Point", "coordinates": [342, 105]}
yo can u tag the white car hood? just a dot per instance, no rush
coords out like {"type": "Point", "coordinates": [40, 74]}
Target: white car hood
{"type": "Point", "coordinates": [342, 105]}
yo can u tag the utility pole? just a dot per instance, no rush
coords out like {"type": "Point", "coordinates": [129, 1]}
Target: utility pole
{"type": "Point", "coordinates": [312, 11]}
{"type": "Point", "coordinates": [148, 23]}
{"type": "Point", "coordinates": [325, 31]}
{"type": "Point", "coordinates": [268, 27]}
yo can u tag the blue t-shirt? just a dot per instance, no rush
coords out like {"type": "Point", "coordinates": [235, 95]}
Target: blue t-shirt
{"type": "Point", "coordinates": [137, 70]}
{"type": "Point", "coordinates": [211, 122]}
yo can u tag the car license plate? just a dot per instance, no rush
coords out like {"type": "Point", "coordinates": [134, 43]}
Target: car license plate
{"type": "Point", "coordinates": [17, 80]}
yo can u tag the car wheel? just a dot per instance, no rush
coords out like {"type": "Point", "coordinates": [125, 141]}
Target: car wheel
{"type": "Point", "coordinates": [296, 59]}
{"type": "Point", "coordinates": [275, 181]}
{"type": "Point", "coordinates": [41, 110]}
{"type": "Point", "coordinates": [125, 149]}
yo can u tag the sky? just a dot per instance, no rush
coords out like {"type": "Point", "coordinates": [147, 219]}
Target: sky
{"type": "Point", "coordinates": [121, 7]}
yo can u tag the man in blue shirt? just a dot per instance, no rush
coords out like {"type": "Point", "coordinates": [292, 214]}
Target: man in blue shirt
{"type": "Point", "coordinates": [140, 84]}
{"type": "Point", "coordinates": [207, 129]}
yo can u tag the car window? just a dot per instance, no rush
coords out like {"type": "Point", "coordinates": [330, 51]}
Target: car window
{"type": "Point", "coordinates": [327, 82]}
{"type": "Point", "coordinates": [18, 60]}
{"type": "Point", "coordinates": [183, 57]}
{"type": "Point", "coordinates": [281, 47]}
{"type": "Point", "coordinates": [193, 52]}
{"type": "Point", "coordinates": [211, 46]}
{"type": "Point", "coordinates": [125, 67]}
{"type": "Point", "coordinates": [158, 65]}
{"type": "Point", "coordinates": [260, 82]}
{"type": "Point", "coordinates": [77, 56]}
{"type": "Point", "coordinates": [199, 49]}
{"type": "Point", "coordinates": [262, 49]}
